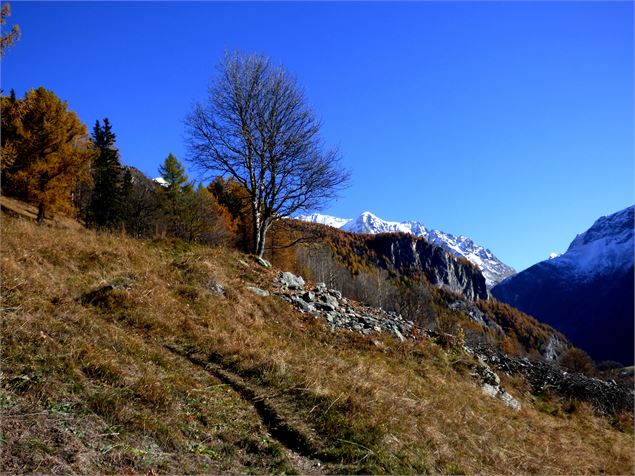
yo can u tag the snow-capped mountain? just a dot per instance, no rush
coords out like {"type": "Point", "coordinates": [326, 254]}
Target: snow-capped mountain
{"type": "Point", "coordinates": [369, 223]}
{"type": "Point", "coordinates": [325, 220]}
{"type": "Point", "coordinates": [493, 269]}
{"type": "Point", "coordinates": [587, 292]}
{"type": "Point", "coordinates": [603, 249]}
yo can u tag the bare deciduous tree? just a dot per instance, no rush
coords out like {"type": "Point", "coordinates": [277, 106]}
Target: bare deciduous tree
{"type": "Point", "coordinates": [257, 128]}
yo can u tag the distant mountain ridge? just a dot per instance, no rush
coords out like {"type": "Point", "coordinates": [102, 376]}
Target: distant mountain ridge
{"type": "Point", "coordinates": [493, 269]}
{"type": "Point", "coordinates": [586, 293]}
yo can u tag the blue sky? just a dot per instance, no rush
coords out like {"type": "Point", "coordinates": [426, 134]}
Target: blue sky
{"type": "Point", "coordinates": [509, 122]}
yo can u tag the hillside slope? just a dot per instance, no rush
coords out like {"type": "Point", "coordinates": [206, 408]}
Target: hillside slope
{"type": "Point", "coordinates": [422, 282]}
{"type": "Point", "coordinates": [122, 356]}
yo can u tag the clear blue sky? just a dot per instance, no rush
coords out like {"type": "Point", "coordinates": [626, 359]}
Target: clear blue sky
{"type": "Point", "coordinates": [511, 123]}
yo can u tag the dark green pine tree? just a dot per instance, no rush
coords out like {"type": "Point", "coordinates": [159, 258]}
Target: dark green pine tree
{"type": "Point", "coordinates": [106, 205]}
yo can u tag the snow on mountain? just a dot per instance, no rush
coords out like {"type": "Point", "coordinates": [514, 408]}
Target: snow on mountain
{"type": "Point", "coordinates": [324, 220]}
{"type": "Point", "coordinates": [603, 249]}
{"type": "Point", "coordinates": [587, 292]}
{"type": "Point", "coordinates": [369, 223]}
{"type": "Point", "coordinates": [492, 268]}
{"type": "Point", "coordinates": [161, 181]}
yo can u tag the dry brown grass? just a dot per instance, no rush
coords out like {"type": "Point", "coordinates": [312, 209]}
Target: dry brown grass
{"type": "Point", "coordinates": [90, 387]}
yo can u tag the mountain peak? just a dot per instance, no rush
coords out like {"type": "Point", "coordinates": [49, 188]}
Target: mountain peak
{"type": "Point", "coordinates": [492, 268]}
{"type": "Point", "coordinates": [329, 220]}
{"type": "Point", "coordinates": [603, 248]}
{"type": "Point", "coordinates": [587, 292]}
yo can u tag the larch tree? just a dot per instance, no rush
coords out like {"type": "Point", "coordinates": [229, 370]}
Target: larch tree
{"type": "Point", "coordinates": [174, 177]}
{"type": "Point", "coordinates": [256, 127]}
{"type": "Point", "coordinates": [106, 204]}
{"type": "Point", "coordinates": [175, 185]}
{"type": "Point", "coordinates": [48, 151]}
{"type": "Point", "coordinates": [192, 213]}
{"type": "Point", "coordinates": [12, 114]}
{"type": "Point", "coordinates": [7, 40]}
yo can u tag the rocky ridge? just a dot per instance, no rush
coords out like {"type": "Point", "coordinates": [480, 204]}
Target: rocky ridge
{"type": "Point", "coordinates": [340, 313]}
{"type": "Point", "coordinates": [493, 269]}
{"type": "Point", "coordinates": [413, 256]}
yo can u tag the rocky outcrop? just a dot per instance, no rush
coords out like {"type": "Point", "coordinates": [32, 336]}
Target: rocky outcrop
{"type": "Point", "coordinates": [257, 291]}
{"type": "Point", "coordinates": [533, 335]}
{"type": "Point", "coordinates": [340, 313]}
{"type": "Point", "coordinates": [291, 281]}
{"type": "Point", "coordinates": [417, 257]}
{"type": "Point", "coordinates": [491, 383]}
{"type": "Point", "coordinates": [607, 397]}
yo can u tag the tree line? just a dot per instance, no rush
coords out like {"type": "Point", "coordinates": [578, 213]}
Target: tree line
{"type": "Point", "coordinates": [254, 138]}
{"type": "Point", "coordinates": [51, 161]}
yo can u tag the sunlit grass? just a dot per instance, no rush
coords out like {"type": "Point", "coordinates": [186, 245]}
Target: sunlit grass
{"type": "Point", "coordinates": [90, 386]}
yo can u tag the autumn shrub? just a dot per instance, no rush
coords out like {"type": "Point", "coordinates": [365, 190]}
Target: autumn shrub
{"type": "Point", "coordinates": [577, 360]}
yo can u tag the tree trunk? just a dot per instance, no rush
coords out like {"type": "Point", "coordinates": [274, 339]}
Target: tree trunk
{"type": "Point", "coordinates": [262, 233]}
{"type": "Point", "coordinates": [40, 213]}
{"type": "Point", "coordinates": [255, 234]}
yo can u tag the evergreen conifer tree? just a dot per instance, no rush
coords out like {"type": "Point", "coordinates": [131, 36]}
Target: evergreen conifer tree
{"type": "Point", "coordinates": [106, 205]}
{"type": "Point", "coordinates": [173, 173]}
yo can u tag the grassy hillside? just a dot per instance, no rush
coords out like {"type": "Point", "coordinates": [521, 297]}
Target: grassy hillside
{"type": "Point", "coordinates": [121, 356]}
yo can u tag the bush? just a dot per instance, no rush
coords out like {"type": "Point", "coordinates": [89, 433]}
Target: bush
{"type": "Point", "coordinates": [577, 360]}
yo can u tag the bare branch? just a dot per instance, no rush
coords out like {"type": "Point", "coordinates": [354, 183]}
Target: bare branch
{"type": "Point", "coordinates": [256, 127]}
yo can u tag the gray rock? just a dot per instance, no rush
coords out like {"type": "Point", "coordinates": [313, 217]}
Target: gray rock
{"type": "Point", "coordinates": [336, 294]}
{"type": "Point", "coordinates": [398, 334]}
{"type": "Point", "coordinates": [485, 374]}
{"type": "Point", "coordinates": [509, 400]}
{"type": "Point", "coordinates": [501, 394]}
{"type": "Point", "coordinates": [330, 301]}
{"type": "Point", "coordinates": [215, 288]}
{"type": "Point", "coordinates": [324, 306]}
{"type": "Point", "coordinates": [257, 291]}
{"type": "Point", "coordinates": [304, 306]}
{"type": "Point", "coordinates": [489, 390]}
{"type": "Point", "coordinates": [291, 281]}
{"type": "Point", "coordinates": [262, 262]}
{"type": "Point", "coordinates": [308, 296]}
{"type": "Point", "coordinates": [320, 288]}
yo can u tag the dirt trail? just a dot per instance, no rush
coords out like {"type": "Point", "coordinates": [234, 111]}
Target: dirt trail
{"type": "Point", "coordinates": [302, 448]}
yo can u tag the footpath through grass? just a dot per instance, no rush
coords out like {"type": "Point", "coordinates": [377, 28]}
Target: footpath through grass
{"type": "Point", "coordinates": [120, 356]}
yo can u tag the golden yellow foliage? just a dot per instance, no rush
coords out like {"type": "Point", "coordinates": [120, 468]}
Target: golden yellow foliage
{"type": "Point", "coordinates": [12, 36]}
{"type": "Point", "coordinates": [48, 151]}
